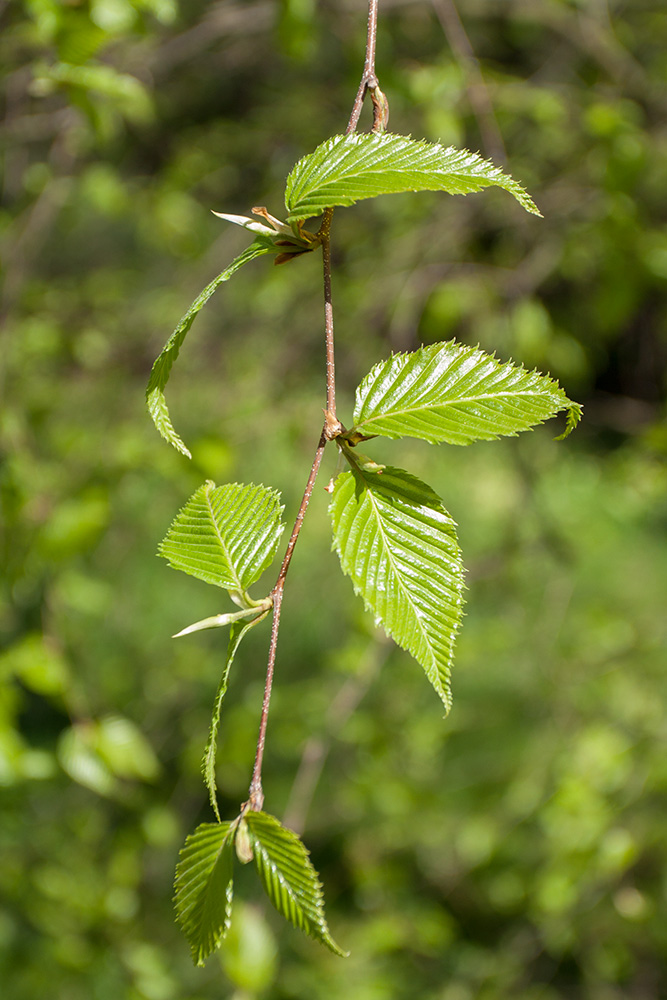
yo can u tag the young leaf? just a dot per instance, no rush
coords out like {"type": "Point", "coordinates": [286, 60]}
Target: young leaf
{"type": "Point", "coordinates": [221, 621]}
{"type": "Point", "coordinates": [398, 544]}
{"type": "Point", "coordinates": [204, 887]}
{"type": "Point", "coordinates": [449, 392]}
{"type": "Point", "coordinates": [288, 876]}
{"type": "Point", "coordinates": [157, 404]}
{"type": "Point", "coordinates": [225, 535]}
{"type": "Point", "coordinates": [237, 632]}
{"type": "Point", "coordinates": [347, 168]}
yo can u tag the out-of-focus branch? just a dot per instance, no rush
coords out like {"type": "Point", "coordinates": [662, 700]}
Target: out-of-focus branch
{"type": "Point", "coordinates": [222, 20]}
{"type": "Point", "coordinates": [35, 224]}
{"type": "Point", "coordinates": [476, 89]}
{"type": "Point", "coordinates": [317, 748]}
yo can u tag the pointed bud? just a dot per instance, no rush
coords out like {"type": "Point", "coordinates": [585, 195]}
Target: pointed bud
{"type": "Point", "coordinates": [242, 843]}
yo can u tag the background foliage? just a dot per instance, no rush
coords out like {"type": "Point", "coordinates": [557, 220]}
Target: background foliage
{"type": "Point", "coordinates": [515, 850]}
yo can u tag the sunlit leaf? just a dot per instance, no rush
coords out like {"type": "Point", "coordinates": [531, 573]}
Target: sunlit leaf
{"type": "Point", "coordinates": [226, 535]}
{"type": "Point", "coordinates": [348, 168]}
{"type": "Point", "coordinates": [157, 404]}
{"type": "Point", "coordinates": [449, 392]}
{"type": "Point", "coordinates": [288, 876]}
{"type": "Point", "coordinates": [237, 632]}
{"type": "Point", "coordinates": [204, 887]}
{"type": "Point", "coordinates": [398, 544]}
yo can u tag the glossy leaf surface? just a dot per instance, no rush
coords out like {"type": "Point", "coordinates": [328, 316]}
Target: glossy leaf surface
{"type": "Point", "coordinates": [398, 544]}
{"type": "Point", "coordinates": [226, 535]}
{"type": "Point", "coordinates": [204, 887]}
{"type": "Point", "coordinates": [458, 394]}
{"type": "Point", "coordinates": [288, 876]}
{"type": "Point", "coordinates": [346, 169]}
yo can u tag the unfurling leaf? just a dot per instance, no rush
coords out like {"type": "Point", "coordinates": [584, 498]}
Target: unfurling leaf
{"type": "Point", "coordinates": [204, 887]}
{"type": "Point", "coordinates": [157, 404]}
{"type": "Point", "coordinates": [348, 168]}
{"type": "Point", "coordinates": [226, 535]}
{"type": "Point", "coordinates": [237, 632]}
{"type": "Point", "coordinates": [449, 392]}
{"type": "Point", "coordinates": [398, 544]}
{"type": "Point", "coordinates": [288, 876]}
{"type": "Point", "coordinates": [221, 621]}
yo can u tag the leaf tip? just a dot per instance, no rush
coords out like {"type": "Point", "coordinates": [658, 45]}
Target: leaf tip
{"type": "Point", "coordinates": [574, 414]}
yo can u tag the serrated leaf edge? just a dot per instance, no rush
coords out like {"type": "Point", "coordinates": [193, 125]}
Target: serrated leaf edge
{"type": "Point", "coordinates": [433, 670]}
{"type": "Point", "coordinates": [192, 864]}
{"type": "Point", "coordinates": [161, 370]}
{"type": "Point", "coordinates": [312, 910]}
{"type": "Point", "coordinates": [369, 425]}
{"type": "Point", "coordinates": [494, 174]}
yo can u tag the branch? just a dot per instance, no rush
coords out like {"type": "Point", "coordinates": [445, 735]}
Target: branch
{"type": "Point", "coordinates": [369, 81]}
{"type": "Point", "coordinates": [332, 426]}
{"type": "Point", "coordinates": [256, 795]}
{"type": "Point", "coordinates": [325, 235]}
{"type": "Point", "coordinates": [478, 94]}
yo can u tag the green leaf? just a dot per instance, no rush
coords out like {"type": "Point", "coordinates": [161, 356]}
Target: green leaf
{"type": "Point", "coordinates": [448, 392]}
{"type": "Point", "coordinates": [225, 535]}
{"type": "Point", "coordinates": [288, 876]}
{"type": "Point", "coordinates": [236, 635]}
{"type": "Point", "coordinates": [347, 168]}
{"type": "Point", "coordinates": [398, 544]}
{"type": "Point", "coordinates": [204, 887]}
{"type": "Point", "coordinates": [157, 404]}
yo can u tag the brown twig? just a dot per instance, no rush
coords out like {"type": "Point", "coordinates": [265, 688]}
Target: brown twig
{"type": "Point", "coordinates": [369, 81]}
{"type": "Point", "coordinates": [256, 796]}
{"type": "Point", "coordinates": [332, 426]}
{"type": "Point", "coordinates": [325, 235]}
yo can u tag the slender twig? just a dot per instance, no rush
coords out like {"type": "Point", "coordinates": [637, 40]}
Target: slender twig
{"type": "Point", "coordinates": [305, 500]}
{"type": "Point", "coordinates": [325, 234]}
{"type": "Point", "coordinates": [332, 426]}
{"type": "Point", "coordinates": [256, 796]}
{"type": "Point", "coordinates": [369, 80]}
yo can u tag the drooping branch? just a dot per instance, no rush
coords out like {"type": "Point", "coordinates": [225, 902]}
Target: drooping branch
{"type": "Point", "coordinates": [332, 426]}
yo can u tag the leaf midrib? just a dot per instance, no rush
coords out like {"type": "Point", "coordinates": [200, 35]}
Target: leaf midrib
{"type": "Point", "coordinates": [392, 152]}
{"type": "Point", "coordinates": [449, 402]}
{"type": "Point", "coordinates": [398, 575]}
{"type": "Point", "coordinates": [317, 193]}
{"type": "Point", "coordinates": [223, 546]}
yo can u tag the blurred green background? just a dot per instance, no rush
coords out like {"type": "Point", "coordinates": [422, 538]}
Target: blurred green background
{"type": "Point", "coordinates": [515, 850]}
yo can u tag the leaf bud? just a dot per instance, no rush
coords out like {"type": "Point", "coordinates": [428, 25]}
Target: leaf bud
{"type": "Point", "coordinates": [242, 843]}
